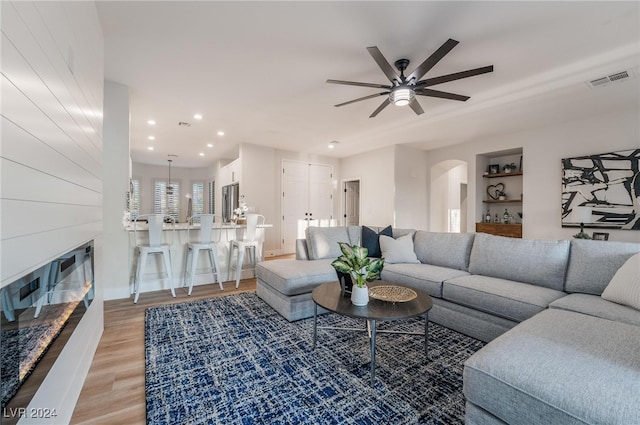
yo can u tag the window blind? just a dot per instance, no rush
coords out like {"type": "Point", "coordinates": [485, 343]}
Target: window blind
{"type": "Point", "coordinates": [197, 195]}
{"type": "Point", "coordinates": [134, 203]}
{"type": "Point", "coordinates": [212, 197]}
{"type": "Point", "coordinates": [165, 203]}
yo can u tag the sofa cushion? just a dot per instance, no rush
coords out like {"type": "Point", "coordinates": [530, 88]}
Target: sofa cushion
{"type": "Point", "coordinates": [292, 277]}
{"type": "Point", "coordinates": [444, 249]}
{"type": "Point", "coordinates": [559, 367]}
{"type": "Point", "coordinates": [624, 287]}
{"type": "Point", "coordinates": [538, 262]}
{"type": "Point", "coordinates": [371, 239]}
{"type": "Point", "coordinates": [504, 298]}
{"type": "Point", "coordinates": [398, 250]}
{"type": "Point", "coordinates": [322, 242]}
{"type": "Point", "coordinates": [423, 277]}
{"type": "Point", "coordinates": [594, 305]}
{"type": "Point", "coordinates": [355, 235]}
{"type": "Point", "coordinates": [401, 232]}
{"type": "Point", "coordinates": [592, 264]}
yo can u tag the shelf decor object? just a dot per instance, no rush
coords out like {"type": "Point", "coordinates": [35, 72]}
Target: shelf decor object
{"type": "Point", "coordinates": [602, 191]}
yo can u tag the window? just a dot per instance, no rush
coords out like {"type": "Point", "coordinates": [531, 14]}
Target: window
{"type": "Point", "coordinates": [212, 197]}
{"type": "Point", "coordinates": [134, 199]}
{"type": "Point", "coordinates": [167, 203]}
{"type": "Point", "coordinates": [197, 195]}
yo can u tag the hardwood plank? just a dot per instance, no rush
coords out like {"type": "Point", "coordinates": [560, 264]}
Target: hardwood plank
{"type": "Point", "coordinates": [114, 389]}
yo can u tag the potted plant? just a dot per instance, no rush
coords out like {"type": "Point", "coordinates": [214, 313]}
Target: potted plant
{"type": "Point", "coordinates": [360, 267]}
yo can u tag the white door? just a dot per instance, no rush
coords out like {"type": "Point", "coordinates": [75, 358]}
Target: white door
{"type": "Point", "coordinates": [306, 195]}
{"type": "Point", "coordinates": [320, 193]}
{"type": "Point", "coordinates": [352, 203]}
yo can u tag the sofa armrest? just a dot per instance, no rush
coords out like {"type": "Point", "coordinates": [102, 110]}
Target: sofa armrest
{"type": "Point", "coordinates": [301, 249]}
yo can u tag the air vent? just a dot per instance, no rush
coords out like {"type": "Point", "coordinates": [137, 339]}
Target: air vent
{"type": "Point", "coordinates": [603, 81]}
{"type": "Point", "coordinates": [184, 124]}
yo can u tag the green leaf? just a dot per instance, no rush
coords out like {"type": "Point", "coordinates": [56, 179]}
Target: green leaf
{"type": "Point", "coordinates": [341, 265]}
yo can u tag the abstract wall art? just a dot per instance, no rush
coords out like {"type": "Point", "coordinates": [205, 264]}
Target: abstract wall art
{"type": "Point", "coordinates": [602, 191]}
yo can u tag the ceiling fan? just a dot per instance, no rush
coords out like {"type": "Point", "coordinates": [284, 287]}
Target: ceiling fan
{"type": "Point", "coordinates": [404, 89]}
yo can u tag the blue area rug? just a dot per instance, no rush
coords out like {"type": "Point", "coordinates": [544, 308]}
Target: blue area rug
{"type": "Point", "coordinates": [234, 360]}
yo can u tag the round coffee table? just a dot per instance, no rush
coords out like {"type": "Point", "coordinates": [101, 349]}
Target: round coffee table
{"type": "Point", "coordinates": [330, 297]}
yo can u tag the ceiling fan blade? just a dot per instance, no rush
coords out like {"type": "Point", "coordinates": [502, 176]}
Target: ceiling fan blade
{"type": "Point", "coordinates": [371, 96]}
{"type": "Point", "coordinates": [454, 76]}
{"type": "Point", "coordinates": [383, 64]}
{"type": "Point", "coordinates": [432, 60]}
{"type": "Point", "coordinates": [416, 107]}
{"type": "Point", "coordinates": [380, 108]}
{"type": "Point", "coordinates": [355, 83]}
{"type": "Point", "coordinates": [441, 94]}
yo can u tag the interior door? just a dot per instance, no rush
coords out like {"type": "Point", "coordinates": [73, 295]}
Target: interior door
{"type": "Point", "coordinates": [306, 195]}
{"type": "Point", "coordinates": [320, 192]}
{"type": "Point", "coordinates": [352, 203]}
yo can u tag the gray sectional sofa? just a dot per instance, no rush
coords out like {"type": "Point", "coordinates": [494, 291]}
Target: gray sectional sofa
{"type": "Point", "coordinates": [559, 353]}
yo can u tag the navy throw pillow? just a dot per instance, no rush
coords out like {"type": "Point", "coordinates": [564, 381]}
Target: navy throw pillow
{"type": "Point", "coordinates": [371, 240]}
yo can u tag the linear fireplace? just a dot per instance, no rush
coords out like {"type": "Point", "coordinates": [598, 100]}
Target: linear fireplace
{"type": "Point", "coordinates": [39, 312]}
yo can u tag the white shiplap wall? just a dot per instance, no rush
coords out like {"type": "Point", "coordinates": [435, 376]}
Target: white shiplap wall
{"type": "Point", "coordinates": [51, 152]}
{"type": "Point", "coordinates": [51, 161]}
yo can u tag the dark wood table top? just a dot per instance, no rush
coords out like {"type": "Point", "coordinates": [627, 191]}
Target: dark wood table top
{"type": "Point", "coordinates": [329, 296]}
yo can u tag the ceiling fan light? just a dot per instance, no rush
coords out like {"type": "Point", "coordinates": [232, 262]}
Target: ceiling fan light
{"type": "Point", "coordinates": [401, 96]}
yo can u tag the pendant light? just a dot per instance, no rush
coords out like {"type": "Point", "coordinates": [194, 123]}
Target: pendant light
{"type": "Point", "coordinates": [169, 188]}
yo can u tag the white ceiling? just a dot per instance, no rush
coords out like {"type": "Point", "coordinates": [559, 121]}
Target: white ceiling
{"type": "Point", "coordinates": [257, 70]}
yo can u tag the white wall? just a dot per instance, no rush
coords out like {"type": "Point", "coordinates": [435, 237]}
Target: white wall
{"type": "Point", "coordinates": [258, 185]}
{"type": "Point", "coordinates": [375, 169]}
{"type": "Point", "coordinates": [410, 174]}
{"type": "Point", "coordinates": [51, 163]}
{"type": "Point", "coordinates": [116, 154]}
{"type": "Point", "coordinates": [543, 148]}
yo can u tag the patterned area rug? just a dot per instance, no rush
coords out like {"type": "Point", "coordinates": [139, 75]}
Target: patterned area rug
{"type": "Point", "coordinates": [235, 360]}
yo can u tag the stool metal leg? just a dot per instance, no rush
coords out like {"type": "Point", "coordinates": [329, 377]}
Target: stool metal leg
{"type": "Point", "coordinates": [214, 264]}
{"type": "Point", "coordinates": [239, 265]}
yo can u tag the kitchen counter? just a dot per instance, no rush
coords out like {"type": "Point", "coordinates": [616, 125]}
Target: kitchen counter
{"type": "Point", "coordinates": [177, 238]}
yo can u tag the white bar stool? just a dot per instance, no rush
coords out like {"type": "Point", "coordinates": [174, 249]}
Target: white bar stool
{"type": "Point", "coordinates": [252, 241]}
{"type": "Point", "coordinates": [205, 243]}
{"type": "Point", "coordinates": [155, 246]}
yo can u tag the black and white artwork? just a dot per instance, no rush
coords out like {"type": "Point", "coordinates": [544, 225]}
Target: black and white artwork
{"type": "Point", "coordinates": [602, 191]}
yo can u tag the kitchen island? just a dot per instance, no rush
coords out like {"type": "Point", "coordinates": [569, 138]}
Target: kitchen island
{"type": "Point", "coordinates": [177, 236]}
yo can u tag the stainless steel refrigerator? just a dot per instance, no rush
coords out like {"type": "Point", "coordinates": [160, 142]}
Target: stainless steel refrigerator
{"type": "Point", "coordinates": [230, 195]}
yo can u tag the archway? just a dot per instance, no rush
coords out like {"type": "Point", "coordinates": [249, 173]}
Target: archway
{"type": "Point", "coordinates": [448, 205]}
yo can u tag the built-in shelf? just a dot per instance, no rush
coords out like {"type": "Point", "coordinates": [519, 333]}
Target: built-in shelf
{"type": "Point", "coordinates": [502, 201]}
{"type": "Point", "coordinates": [499, 229]}
{"type": "Point", "coordinates": [513, 173]}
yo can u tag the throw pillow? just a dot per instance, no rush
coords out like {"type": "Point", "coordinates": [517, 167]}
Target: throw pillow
{"type": "Point", "coordinates": [371, 240]}
{"type": "Point", "coordinates": [624, 287]}
{"type": "Point", "coordinates": [398, 250]}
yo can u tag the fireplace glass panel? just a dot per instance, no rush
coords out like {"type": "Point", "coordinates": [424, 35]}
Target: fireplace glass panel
{"type": "Point", "coordinates": [36, 309]}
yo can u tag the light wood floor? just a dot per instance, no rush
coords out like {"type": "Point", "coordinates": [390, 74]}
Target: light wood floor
{"type": "Point", "coordinates": [113, 392]}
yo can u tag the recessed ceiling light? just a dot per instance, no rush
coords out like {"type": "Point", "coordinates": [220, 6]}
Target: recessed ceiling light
{"type": "Point", "coordinates": [150, 148]}
{"type": "Point", "coordinates": [209, 145]}
{"type": "Point", "coordinates": [220, 133]}
{"type": "Point", "coordinates": [333, 144]}
{"type": "Point", "coordinates": [197, 116]}
{"type": "Point", "coordinates": [151, 122]}
{"type": "Point", "coordinates": [201, 154]}
{"type": "Point", "coordinates": [151, 137]}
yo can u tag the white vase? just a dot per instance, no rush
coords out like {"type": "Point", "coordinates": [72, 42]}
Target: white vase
{"type": "Point", "coordinates": [360, 296]}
